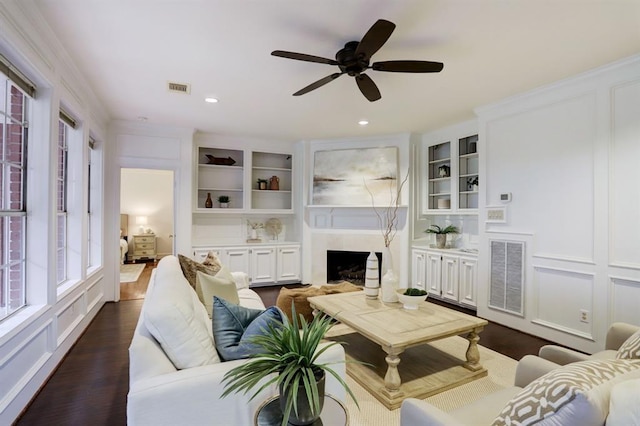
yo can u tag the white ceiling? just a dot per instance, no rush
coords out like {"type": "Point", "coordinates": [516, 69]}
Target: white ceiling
{"type": "Point", "coordinates": [491, 49]}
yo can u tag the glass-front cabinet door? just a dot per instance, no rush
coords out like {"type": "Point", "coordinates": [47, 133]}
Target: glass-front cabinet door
{"type": "Point", "coordinates": [468, 173]}
{"type": "Point", "coordinates": [439, 176]}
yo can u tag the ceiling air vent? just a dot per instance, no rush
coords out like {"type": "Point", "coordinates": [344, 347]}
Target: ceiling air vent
{"type": "Point", "coordinates": [179, 88]}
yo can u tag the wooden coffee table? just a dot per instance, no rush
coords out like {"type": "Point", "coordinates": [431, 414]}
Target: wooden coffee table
{"type": "Point", "coordinates": [426, 370]}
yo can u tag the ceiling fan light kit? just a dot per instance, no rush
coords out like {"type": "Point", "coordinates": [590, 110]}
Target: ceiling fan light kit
{"type": "Point", "coordinates": [354, 60]}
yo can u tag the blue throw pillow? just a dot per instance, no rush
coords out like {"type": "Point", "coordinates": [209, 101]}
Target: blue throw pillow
{"type": "Point", "coordinates": [234, 326]}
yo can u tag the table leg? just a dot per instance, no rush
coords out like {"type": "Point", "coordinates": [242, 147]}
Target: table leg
{"type": "Point", "coordinates": [392, 380]}
{"type": "Point", "coordinates": [473, 355]}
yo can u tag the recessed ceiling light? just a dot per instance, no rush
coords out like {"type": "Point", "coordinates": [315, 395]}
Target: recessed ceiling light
{"type": "Point", "coordinates": [363, 122]}
{"type": "Point", "coordinates": [143, 119]}
{"type": "Point", "coordinates": [211, 100]}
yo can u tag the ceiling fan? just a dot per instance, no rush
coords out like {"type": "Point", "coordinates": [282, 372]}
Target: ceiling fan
{"type": "Point", "coordinates": [354, 59]}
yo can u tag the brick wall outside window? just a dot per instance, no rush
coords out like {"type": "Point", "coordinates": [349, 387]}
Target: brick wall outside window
{"type": "Point", "coordinates": [13, 142]}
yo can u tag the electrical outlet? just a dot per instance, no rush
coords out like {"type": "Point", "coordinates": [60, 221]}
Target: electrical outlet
{"type": "Point", "coordinates": [584, 316]}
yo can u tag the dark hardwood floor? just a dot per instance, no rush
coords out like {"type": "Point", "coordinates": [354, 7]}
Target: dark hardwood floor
{"type": "Point", "coordinates": [90, 386]}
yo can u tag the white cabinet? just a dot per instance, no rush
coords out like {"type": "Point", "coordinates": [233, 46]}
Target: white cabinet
{"type": "Point", "coordinates": [468, 281]}
{"type": "Point", "coordinates": [253, 181]}
{"type": "Point", "coordinates": [449, 277]}
{"type": "Point", "coordinates": [449, 172]}
{"type": "Point", "coordinates": [265, 264]}
{"type": "Point", "coordinates": [419, 269]}
{"type": "Point", "coordinates": [446, 275]}
{"type": "Point", "coordinates": [288, 263]}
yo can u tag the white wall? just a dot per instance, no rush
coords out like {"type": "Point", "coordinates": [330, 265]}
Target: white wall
{"type": "Point", "coordinates": [569, 154]}
{"type": "Point", "coordinates": [149, 193]}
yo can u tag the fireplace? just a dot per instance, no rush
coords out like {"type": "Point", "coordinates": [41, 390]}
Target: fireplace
{"type": "Point", "coordinates": [348, 266]}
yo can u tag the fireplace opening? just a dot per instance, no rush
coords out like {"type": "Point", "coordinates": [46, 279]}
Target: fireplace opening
{"type": "Point", "coordinates": [349, 266]}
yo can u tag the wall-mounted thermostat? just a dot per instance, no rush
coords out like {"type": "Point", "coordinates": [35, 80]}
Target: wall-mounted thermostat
{"type": "Point", "coordinates": [505, 197]}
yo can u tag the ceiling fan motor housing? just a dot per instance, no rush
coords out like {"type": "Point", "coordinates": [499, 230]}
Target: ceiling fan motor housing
{"type": "Point", "coordinates": [349, 62]}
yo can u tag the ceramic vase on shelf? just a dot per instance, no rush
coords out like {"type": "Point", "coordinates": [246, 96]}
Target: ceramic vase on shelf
{"type": "Point", "coordinates": [441, 240]}
{"type": "Point", "coordinates": [389, 287]}
{"type": "Point", "coordinates": [208, 202]}
{"type": "Point", "coordinates": [371, 283]}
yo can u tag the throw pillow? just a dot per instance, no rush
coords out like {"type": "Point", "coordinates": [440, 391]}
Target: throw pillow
{"type": "Point", "coordinates": [220, 284]}
{"type": "Point", "coordinates": [576, 394]}
{"type": "Point", "coordinates": [176, 318]}
{"type": "Point", "coordinates": [299, 298]}
{"type": "Point", "coordinates": [630, 349]}
{"type": "Point", "coordinates": [212, 260]}
{"type": "Point", "coordinates": [234, 326]}
{"type": "Point", "coordinates": [624, 403]}
{"type": "Point", "coordinates": [190, 267]}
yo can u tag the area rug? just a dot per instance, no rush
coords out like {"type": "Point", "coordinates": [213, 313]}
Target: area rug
{"type": "Point", "coordinates": [131, 272]}
{"type": "Point", "coordinates": [501, 374]}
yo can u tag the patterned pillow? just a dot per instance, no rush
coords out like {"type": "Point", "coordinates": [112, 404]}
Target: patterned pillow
{"type": "Point", "coordinates": [190, 267]}
{"type": "Point", "coordinates": [576, 394]}
{"type": "Point", "coordinates": [630, 349]}
{"type": "Point", "coordinates": [213, 261]}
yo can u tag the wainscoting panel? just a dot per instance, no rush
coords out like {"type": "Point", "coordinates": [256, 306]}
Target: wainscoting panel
{"type": "Point", "coordinates": [70, 316]}
{"type": "Point", "coordinates": [561, 296]}
{"type": "Point", "coordinates": [624, 295]}
{"type": "Point", "coordinates": [23, 362]}
{"type": "Point", "coordinates": [95, 293]}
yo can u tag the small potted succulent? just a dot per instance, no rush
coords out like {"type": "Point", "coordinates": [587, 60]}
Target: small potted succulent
{"type": "Point", "coordinates": [441, 234]}
{"type": "Point", "coordinates": [411, 297]}
{"type": "Point", "coordinates": [224, 201]}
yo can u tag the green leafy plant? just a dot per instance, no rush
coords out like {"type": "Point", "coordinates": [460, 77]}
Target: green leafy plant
{"type": "Point", "coordinates": [289, 358]}
{"type": "Point", "coordinates": [435, 229]}
{"type": "Point", "coordinates": [223, 199]}
{"type": "Point", "coordinates": [414, 292]}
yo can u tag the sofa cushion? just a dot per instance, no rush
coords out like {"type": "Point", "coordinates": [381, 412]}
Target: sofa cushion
{"type": "Point", "coordinates": [299, 296]}
{"type": "Point", "coordinates": [577, 393]}
{"type": "Point", "coordinates": [176, 318]}
{"type": "Point", "coordinates": [234, 326]}
{"type": "Point", "coordinates": [220, 284]}
{"type": "Point", "coordinates": [212, 261]}
{"type": "Point", "coordinates": [190, 267]}
{"type": "Point", "coordinates": [630, 349]}
{"type": "Point", "coordinates": [624, 403]}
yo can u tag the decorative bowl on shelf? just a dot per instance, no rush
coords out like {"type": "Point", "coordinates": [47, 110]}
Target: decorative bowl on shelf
{"type": "Point", "coordinates": [410, 302]}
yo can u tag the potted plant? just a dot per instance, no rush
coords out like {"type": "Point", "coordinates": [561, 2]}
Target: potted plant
{"type": "Point", "coordinates": [288, 357]}
{"type": "Point", "coordinates": [411, 297]}
{"type": "Point", "coordinates": [224, 201]}
{"type": "Point", "coordinates": [441, 234]}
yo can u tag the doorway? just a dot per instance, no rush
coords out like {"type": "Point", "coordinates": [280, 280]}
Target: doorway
{"type": "Point", "coordinates": [147, 201]}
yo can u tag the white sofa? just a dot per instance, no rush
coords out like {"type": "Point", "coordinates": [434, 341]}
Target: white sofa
{"type": "Point", "coordinates": [160, 393]}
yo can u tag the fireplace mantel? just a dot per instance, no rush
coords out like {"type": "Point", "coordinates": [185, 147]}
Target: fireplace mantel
{"type": "Point", "coordinates": [350, 217]}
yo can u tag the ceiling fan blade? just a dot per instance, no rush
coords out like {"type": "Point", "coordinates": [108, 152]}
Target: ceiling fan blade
{"type": "Point", "coordinates": [408, 66]}
{"type": "Point", "coordinates": [303, 57]}
{"type": "Point", "coordinates": [373, 40]}
{"type": "Point", "coordinates": [368, 87]}
{"type": "Point", "coordinates": [319, 83]}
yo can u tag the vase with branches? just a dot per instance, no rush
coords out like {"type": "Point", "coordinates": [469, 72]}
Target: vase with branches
{"type": "Point", "coordinates": [388, 224]}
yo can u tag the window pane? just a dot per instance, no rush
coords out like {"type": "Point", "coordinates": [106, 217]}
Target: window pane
{"type": "Point", "coordinates": [16, 229]}
{"type": "Point", "coordinates": [16, 286]}
{"type": "Point", "coordinates": [16, 111]}
{"type": "Point", "coordinates": [61, 245]}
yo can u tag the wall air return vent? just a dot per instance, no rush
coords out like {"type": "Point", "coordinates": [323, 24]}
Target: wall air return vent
{"type": "Point", "coordinates": [179, 87]}
{"type": "Point", "coordinates": [506, 291]}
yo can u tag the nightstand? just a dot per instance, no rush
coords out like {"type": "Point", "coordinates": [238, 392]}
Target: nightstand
{"type": "Point", "coordinates": [144, 247]}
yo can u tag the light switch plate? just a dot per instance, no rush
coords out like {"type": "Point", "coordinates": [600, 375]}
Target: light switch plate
{"type": "Point", "coordinates": [496, 214]}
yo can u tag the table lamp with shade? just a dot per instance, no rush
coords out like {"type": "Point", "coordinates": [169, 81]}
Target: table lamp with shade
{"type": "Point", "coordinates": [141, 221]}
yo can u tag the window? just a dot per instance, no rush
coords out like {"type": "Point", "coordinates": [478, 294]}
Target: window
{"type": "Point", "coordinates": [61, 201]}
{"type": "Point", "coordinates": [90, 155]}
{"type": "Point", "coordinates": [13, 144]}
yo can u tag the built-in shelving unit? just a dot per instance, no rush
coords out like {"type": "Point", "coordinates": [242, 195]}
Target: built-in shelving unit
{"type": "Point", "coordinates": [268, 167]}
{"type": "Point", "coordinates": [220, 179]}
{"type": "Point", "coordinates": [237, 173]}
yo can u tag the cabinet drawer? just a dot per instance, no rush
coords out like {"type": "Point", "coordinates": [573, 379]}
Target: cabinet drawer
{"type": "Point", "coordinates": [145, 239]}
{"type": "Point", "coordinates": [144, 252]}
{"type": "Point", "coordinates": [145, 246]}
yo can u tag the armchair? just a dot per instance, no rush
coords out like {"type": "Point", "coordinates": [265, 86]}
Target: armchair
{"type": "Point", "coordinates": [617, 334]}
